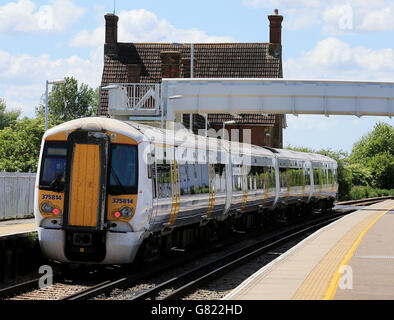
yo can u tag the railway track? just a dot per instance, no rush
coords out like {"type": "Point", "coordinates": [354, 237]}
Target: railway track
{"type": "Point", "coordinates": [179, 285]}
{"type": "Point", "coordinates": [364, 202]}
{"type": "Point", "coordinates": [182, 283]}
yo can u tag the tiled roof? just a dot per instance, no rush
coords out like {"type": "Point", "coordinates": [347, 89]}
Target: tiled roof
{"type": "Point", "coordinates": [213, 60]}
{"type": "Point", "coordinates": [242, 118]}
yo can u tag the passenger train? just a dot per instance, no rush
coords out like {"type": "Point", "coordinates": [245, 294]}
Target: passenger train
{"type": "Point", "coordinates": [109, 189]}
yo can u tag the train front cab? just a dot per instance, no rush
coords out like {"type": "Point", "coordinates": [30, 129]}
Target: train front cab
{"type": "Point", "coordinates": [87, 196]}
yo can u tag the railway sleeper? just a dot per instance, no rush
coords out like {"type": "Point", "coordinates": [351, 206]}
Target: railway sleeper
{"type": "Point", "coordinates": [198, 235]}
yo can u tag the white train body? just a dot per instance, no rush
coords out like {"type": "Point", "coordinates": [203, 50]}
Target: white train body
{"type": "Point", "coordinates": [104, 186]}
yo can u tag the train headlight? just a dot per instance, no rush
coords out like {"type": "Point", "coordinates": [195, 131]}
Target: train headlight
{"type": "Point", "coordinates": [125, 212]}
{"type": "Point", "coordinates": [48, 208]}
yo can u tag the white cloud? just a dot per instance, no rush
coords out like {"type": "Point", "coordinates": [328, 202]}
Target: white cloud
{"type": "Point", "coordinates": [277, 4]}
{"type": "Point", "coordinates": [332, 58]}
{"type": "Point", "coordinates": [24, 17]}
{"type": "Point", "coordinates": [144, 26]}
{"type": "Point", "coordinates": [86, 39]}
{"type": "Point", "coordinates": [23, 76]}
{"type": "Point", "coordinates": [336, 16]}
{"type": "Point", "coordinates": [378, 20]}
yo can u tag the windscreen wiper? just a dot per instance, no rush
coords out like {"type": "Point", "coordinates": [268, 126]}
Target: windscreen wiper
{"type": "Point", "coordinates": [56, 183]}
{"type": "Point", "coordinates": [117, 180]}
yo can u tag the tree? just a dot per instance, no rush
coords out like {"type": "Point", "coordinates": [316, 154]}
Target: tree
{"type": "Point", "coordinates": [20, 145]}
{"type": "Point", "coordinates": [375, 153]}
{"type": "Point", "coordinates": [69, 101]}
{"type": "Point", "coordinates": [361, 175]}
{"type": "Point", "coordinates": [7, 118]}
{"type": "Point", "coordinates": [379, 140]}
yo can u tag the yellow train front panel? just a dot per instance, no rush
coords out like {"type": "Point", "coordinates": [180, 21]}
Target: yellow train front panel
{"type": "Point", "coordinates": [85, 186]}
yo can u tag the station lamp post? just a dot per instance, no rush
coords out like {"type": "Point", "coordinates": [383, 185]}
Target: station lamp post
{"type": "Point", "coordinates": [267, 139]}
{"type": "Point", "coordinates": [46, 98]}
{"type": "Point", "coordinates": [224, 124]}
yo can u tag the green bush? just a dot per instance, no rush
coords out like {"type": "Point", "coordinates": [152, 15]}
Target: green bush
{"type": "Point", "coordinates": [361, 192]}
{"type": "Point", "coordinates": [361, 175]}
{"type": "Point", "coordinates": [374, 153]}
{"type": "Point", "coordinates": [20, 145]}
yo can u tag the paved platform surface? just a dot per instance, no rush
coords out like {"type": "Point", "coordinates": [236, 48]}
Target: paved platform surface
{"type": "Point", "coordinates": [352, 258]}
{"type": "Point", "coordinates": [17, 227]}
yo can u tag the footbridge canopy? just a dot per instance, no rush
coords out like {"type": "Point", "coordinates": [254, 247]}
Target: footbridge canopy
{"type": "Point", "coordinates": [235, 96]}
{"type": "Point", "coordinates": [278, 96]}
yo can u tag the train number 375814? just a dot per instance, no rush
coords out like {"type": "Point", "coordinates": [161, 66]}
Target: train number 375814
{"type": "Point", "coordinates": [119, 200]}
{"type": "Point", "coordinates": [51, 197]}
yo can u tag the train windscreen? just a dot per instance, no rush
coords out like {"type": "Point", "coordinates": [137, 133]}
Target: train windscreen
{"type": "Point", "coordinates": [53, 166]}
{"type": "Point", "coordinates": [123, 170]}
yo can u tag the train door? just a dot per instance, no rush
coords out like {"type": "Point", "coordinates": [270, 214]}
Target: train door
{"type": "Point", "coordinates": [164, 155]}
{"type": "Point", "coordinates": [152, 174]}
{"type": "Point", "coordinates": [85, 195]}
{"type": "Point", "coordinates": [308, 181]}
{"type": "Point", "coordinates": [277, 180]}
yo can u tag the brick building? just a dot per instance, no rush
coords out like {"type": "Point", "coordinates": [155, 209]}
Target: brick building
{"type": "Point", "coordinates": [150, 62]}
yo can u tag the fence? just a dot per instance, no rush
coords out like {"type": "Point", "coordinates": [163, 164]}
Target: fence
{"type": "Point", "coordinates": [16, 194]}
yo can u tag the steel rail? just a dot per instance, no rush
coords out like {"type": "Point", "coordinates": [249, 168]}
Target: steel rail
{"type": "Point", "coordinates": [124, 281]}
{"type": "Point", "coordinates": [108, 285]}
{"type": "Point", "coordinates": [230, 261]}
{"type": "Point", "coordinates": [216, 272]}
{"type": "Point", "coordinates": [22, 287]}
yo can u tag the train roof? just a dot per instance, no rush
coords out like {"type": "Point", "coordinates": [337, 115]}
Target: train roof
{"type": "Point", "coordinates": [140, 133]}
{"type": "Point", "coordinates": [97, 124]}
{"type": "Point", "coordinates": [291, 154]}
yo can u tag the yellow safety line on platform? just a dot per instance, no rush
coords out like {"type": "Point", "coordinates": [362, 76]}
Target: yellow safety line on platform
{"type": "Point", "coordinates": [319, 284]}
{"type": "Point", "coordinates": [332, 288]}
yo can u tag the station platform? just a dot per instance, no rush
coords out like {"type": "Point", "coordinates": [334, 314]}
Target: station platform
{"type": "Point", "coordinates": [16, 228]}
{"type": "Point", "coordinates": [350, 259]}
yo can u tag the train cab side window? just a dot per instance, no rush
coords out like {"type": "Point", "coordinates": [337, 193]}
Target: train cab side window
{"type": "Point", "coordinates": [53, 166]}
{"type": "Point", "coordinates": [123, 171]}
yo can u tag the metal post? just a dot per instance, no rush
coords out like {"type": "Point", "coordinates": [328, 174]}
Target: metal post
{"type": "Point", "coordinates": [206, 124]}
{"type": "Point", "coordinates": [46, 98]}
{"type": "Point", "coordinates": [46, 106]}
{"type": "Point", "coordinates": [224, 124]}
{"type": "Point", "coordinates": [192, 61]}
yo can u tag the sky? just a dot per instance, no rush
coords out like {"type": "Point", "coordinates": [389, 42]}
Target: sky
{"type": "Point", "coordinates": [334, 39]}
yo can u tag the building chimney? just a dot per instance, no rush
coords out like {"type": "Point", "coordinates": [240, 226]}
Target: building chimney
{"type": "Point", "coordinates": [133, 73]}
{"type": "Point", "coordinates": [275, 27]}
{"type": "Point", "coordinates": [111, 28]}
{"type": "Point", "coordinates": [170, 64]}
{"type": "Point", "coordinates": [186, 67]}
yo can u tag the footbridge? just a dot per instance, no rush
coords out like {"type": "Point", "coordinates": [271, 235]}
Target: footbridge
{"type": "Point", "coordinates": [275, 96]}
